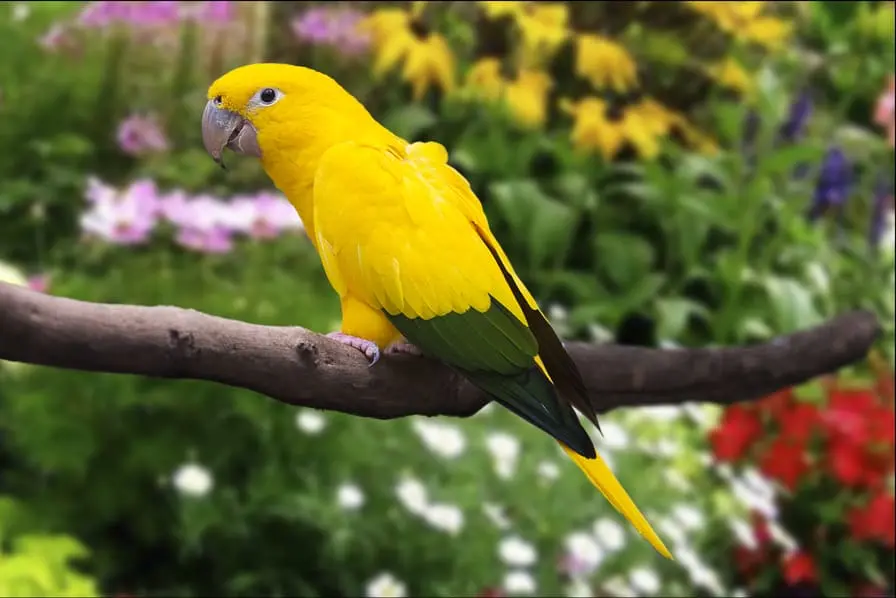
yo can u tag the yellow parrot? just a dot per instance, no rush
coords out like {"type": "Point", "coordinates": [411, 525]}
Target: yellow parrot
{"type": "Point", "coordinates": [406, 245]}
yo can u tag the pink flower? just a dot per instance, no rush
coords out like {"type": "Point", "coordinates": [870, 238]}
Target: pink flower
{"type": "Point", "coordinates": [140, 135]}
{"type": "Point", "coordinates": [885, 111]}
{"type": "Point", "coordinates": [39, 283]}
{"type": "Point", "coordinates": [263, 216]}
{"type": "Point", "coordinates": [201, 222]}
{"type": "Point", "coordinates": [127, 217]}
{"type": "Point", "coordinates": [333, 27]}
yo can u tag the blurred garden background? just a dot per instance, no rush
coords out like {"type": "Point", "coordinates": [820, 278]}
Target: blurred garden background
{"type": "Point", "coordinates": [661, 173]}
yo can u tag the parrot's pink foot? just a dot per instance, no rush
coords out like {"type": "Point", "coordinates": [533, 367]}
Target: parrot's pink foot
{"type": "Point", "coordinates": [368, 348]}
{"type": "Point", "coordinates": [407, 348]}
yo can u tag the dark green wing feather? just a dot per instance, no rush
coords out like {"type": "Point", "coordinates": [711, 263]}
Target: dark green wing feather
{"type": "Point", "coordinates": [496, 352]}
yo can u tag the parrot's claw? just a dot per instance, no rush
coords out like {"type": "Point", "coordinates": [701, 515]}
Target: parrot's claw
{"type": "Point", "coordinates": [406, 348]}
{"type": "Point", "coordinates": [368, 348]}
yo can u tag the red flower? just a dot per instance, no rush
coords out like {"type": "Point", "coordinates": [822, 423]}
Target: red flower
{"type": "Point", "coordinates": [847, 462]}
{"type": "Point", "coordinates": [847, 412]}
{"type": "Point", "coordinates": [491, 593]}
{"type": "Point", "coordinates": [760, 528]}
{"type": "Point", "coordinates": [785, 461]}
{"type": "Point", "coordinates": [876, 521]}
{"type": "Point", "coordinates": [869, 590]}
{"type": "Point", "coordinates": [776, 403]}
{"type": "Point", "coordinates": [798, 422]}
{"type": "Point", "coordinates": [738, 430]}
{"type": "Point", "coordinates": [799, 567]}
{"type": "Point", "coordinates": [748, 561]}
{"type": "Point", "coordinates": [861, 437]}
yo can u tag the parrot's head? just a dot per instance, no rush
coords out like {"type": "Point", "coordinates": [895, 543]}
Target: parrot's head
{"type": "Point", "coordinates": [260, 107]}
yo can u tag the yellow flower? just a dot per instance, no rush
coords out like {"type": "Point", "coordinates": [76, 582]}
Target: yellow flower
{"type": "Point", "coordinates": [496, 10]}
{"type": "Point", "coordinates": [767, 31]}
{"type": "Point", "coordinates": [597, 127]}
{"type": "Point", "coordinates": [731, 74]}
{"type": "Point", "coordinates": [543, 30]}
{"type": "Point", "coordinates": [390, 37]}
{"type": "Point", "coordinates": [484, 79]}
{"type": "Point", "coordinates": [429, 62]}
{"type": "Point", "coordinates": [605, 63]}
{"type": "Point", "coordinates": [527, 97]}
{"type": "Point", "coordinates": [591, 129]}
{"type": "Point", "coordinates": [744, 21]}
{"type": "Point", "coordinates": [425, 61]}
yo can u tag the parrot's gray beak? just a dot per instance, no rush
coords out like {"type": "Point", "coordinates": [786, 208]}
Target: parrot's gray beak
{"type": "Point", "coordinates": [222, 128]}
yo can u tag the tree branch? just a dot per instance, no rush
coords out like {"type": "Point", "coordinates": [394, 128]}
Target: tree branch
{"type": "Point", "coordinates": [299, 367]}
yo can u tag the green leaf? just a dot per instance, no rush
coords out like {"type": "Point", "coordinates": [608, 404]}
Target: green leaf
{"type": "Point", "coordinates": [623, 258]}
{"type": "Point", "coordinates": [792, 304]}
{"type": "Point", "coordinates": [783, 160]}
{"type": "Point", "coordinates": [673, 314]}
{"type": "Point", "coordinates": [550, 232]}
{"type": "Point", "coordinates": [408, 120]}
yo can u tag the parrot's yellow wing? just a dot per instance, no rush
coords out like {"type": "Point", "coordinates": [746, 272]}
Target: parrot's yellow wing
{"type": "Point", "coordinates": [400, 230]}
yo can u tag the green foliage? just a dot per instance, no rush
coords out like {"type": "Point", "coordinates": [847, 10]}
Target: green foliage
{"type": "Point", "coordinates": [688, 249]}
{"type": "Point", "coordinates": [37, 564]}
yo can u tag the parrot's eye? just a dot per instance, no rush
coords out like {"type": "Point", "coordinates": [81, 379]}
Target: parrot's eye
{"type": "Point", "coordinates": [265, 96]}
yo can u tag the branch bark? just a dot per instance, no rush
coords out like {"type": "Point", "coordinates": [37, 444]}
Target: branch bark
{"type": "Point", "coordinates": [299, 367]}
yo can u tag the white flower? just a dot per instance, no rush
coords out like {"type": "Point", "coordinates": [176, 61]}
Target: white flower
{"type": "Point", "coordinates": [753, 499]}
{"type": "Point", "coordinates": [349, 497]}
{"type": "Point", "coordinates": [193, 480]}
{"type": "Point", "coordinates": [496, 514]}
{"type": "Point", "coordinates": [675, 479]}
{"type": "Point", "coordinates": [310, 422]}
{"type": "Point", "coordinates": [504, 449]}
{"type": "Point", "coordinates": [689, 516]}
{"type": "Point", "coordinates": [444, 517]}
{"type": "Point", "coordinates": [548, 471]}
{"type": "Point", "coordinates": [744, 533]}
{"type": "Point", "coordinates": [644, 579]}
{"type": "Point", "coordinates": [579, 588]}
{"type": "Point", "coordinates": [583, 553]}
{"type": "Point", "coordinates": [782, 537]}
{"type": "Point", "coordinates": [615, 437]}
{"type": "Point", "coordinates": [444, 440]}
{"type": "Point", "coordinates": [20, 11]}
{"type": "Point", "coordinates": [672, 530]}
{"type": "Point", "coordinates": [557, 312]}
{"type": "Point", "coordinates": [666, 448]}
{"type": "Point", "coordinates": [516, 552]}
{"type": "Point", "coordinates": [386, 585]}
{"type": "Point", "coordinates": [701, 575]}
{"type": "Point", "coordinates": [759, 483]}
{"type": "Point", "coordinates": [519, 582]}
{"type": "Point", "coordinates": [412, 494]}
{"type": "Point", "coordinates": [609, 534]}
{"type": "Point", "coordinates": [660, 413]}
{"type": "Point", "coordinates": [616, 586]}
{"type": "Point", "coordinates": [12, 275]}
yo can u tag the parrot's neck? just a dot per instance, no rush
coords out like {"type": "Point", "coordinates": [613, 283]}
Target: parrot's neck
{"type": "Point", "coordinates": [292, 163]}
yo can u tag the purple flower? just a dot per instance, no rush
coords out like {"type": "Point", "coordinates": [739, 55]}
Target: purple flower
{"type": "Point", "coordinates": [882, 204]}
{"type": "Point", "coordinates": [798, 117]}
{"type": "Point", "coordinates": [335, 27]}
{"type": "Point", "coordinates": [123, 218]}
{"type": "Point", "coordinates": [103, 14]}
{"type": "Point", "coordinates": [139, 135]}
{"type": "Point", "coordinates": [834, 184]}
{"type": "Point", "coordinates": [216, 12]}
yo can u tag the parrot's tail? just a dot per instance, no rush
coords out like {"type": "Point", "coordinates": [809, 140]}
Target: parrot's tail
{"type": "Point", "coordinates": [603, 479]}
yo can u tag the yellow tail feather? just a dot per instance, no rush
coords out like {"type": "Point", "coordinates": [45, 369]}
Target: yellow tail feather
{"type": "Point", "coordinates": [603, 479]}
